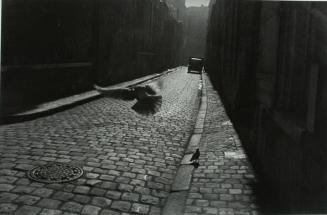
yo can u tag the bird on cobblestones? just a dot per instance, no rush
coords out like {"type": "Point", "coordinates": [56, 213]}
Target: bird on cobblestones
{"type": "Point", "coordinates": [195, 158]}
{"type": "Point", "coordinates": [148, 99]}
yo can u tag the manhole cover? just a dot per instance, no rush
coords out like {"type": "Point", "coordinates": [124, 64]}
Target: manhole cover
{"type": "Point", "coordinates": [55, 173]}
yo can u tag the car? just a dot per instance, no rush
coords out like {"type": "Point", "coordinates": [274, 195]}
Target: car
{"type": "Point", "coordinates": [195, 65]}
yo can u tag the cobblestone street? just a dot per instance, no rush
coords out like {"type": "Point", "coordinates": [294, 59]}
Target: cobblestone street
{"type": "Point", "coordinates": [163, 107]}
{"type": "Point", "coordinates": [129, 160]}
{"type": "Point", "coordinates": [222, 183]}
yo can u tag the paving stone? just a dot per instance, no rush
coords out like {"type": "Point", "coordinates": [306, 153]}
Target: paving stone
{"type": "Point", "coordinates": [69, 188]}
{"type": "Point", "coordinates": [43, 192]}
{"type": "Point", "coordinates": [121, 205]}
{"type": "Point", "coordinates": [7, 179]}
{"type": "Point", "coordinates": [125, 187]}
{"type": "Point", "coordinates": [140, 208]}
{"type": "Point", "coordinates": [113, 194]}
{"type": "Point", "coordinates": [109, 212]}
{"type": "Point", "coordinates": [49, 203]}
{"type": "Point", "coordinates": [208, 210]}
{"type": "Point", "coordinates": [134, 197]}
{"type": "Point", "coordinates": [7, 197]}
{"type": "Point", "coordinates": [92, 175]}
{"type": "Point", "coordinates": [50, 212]}
{"type": "Point", "coordinates": [237, 205]}
{"type": "Point", "coordinates": [195, 195]}
{"type": "Point", "coordinates": [159, 193]}
{"type": "Point", "coordinates": [149, 199]}
{"type": "Point", "coordinates": [107, 177]}
{"type": "Point", "coordinates": [137, 182]}
{"type": "Point", "coordinates": [64, 196]}
{"type": "Point", "coordinates": [210, 196]}
{"type": "Point", "coordinates": [93, 182]}
{"type": "Point", "coordinates": [27, 210]}
{"type": "Point", "coordinates": [10, 172]}
{"type": "Point", "coordinates": [6, 187]}
{"type": "Point", "coordinates": [27, 199]}
{"type": "Point", "coordinates": [97, 191]}
{"type": "Point", "coordinates": [175, 203]}
{"type": "Point", "coordinates": [82, 189]}
{"type": "Point", "coordinates": [129, 174]}
{"type": "Point", "coordinates": [7, 208]}
{"type": "Point", "coordinates": [72, 207]}
{"type": "Point", "coordinates": [193, 209]}
{"type": "Point", "coordinates": [55, 186]}
{"type": "Point", "coordinates": [23, 181]}
{"type": "Point", "coordinates": [235, 191]}
{"type": "Point", "coordinates": [91, 210]}
{"type": "Point", "coordinates": [201, 202]}
{"type": "Point", "coordinates": [226, 197]}
{"type": "Point", "coordinates": [101, 202]}
{"type": "Point", "coordinates": [109, 185]}
{"type": "Point", "coordinates": [83, 199]}
{"type": "Point", "coordinates": [142, 190]}
{"type": "Point", "coordinates": [23, 189]}
{"type": "Point", "coordinates": [155, 211]}
{"type": "Point", "coordinates": [68, 213]}
{"type": "Point", "coordinates": [24, 167]}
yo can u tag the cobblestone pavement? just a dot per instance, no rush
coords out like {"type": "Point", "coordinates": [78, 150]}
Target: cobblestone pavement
{"type": "Point", "coordinates": [221, 184]}
{"type": "Point", "coordinates": [129, 160]}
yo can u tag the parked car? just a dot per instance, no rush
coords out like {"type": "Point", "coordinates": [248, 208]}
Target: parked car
{"type": "Point", "coordinates": [195, 64]}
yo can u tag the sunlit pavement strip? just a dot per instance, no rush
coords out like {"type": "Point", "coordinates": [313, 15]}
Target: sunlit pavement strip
{"type": "Point", "coordinates": [176, 200]}
{"type": "Point", "coordinates": [74, 100]}
{"type": "Point", "coordinates": [129, 160]}
{"type": "Point", "coordinates": [221, 184]}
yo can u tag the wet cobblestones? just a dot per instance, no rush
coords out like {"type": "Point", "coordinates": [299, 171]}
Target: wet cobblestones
{"type": "Point", "coordinates": [222, 182]}
{"type": "Point", "coordinates": [129, 159]}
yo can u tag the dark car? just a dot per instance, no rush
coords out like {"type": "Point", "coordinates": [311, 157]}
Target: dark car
{"type": "Point", "coordinates": [195, 64]}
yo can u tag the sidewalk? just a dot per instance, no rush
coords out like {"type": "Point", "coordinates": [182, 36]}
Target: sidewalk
{"type": "Point", "coordinates": [71, 101]}
{"type": "Point", "coordinates": [222, 182]}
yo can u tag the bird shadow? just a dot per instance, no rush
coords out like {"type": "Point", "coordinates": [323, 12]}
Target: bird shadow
{"type": "Point", "coordinates": [148, 106]}
{"type": "Point", "coordinates": [195, 164]}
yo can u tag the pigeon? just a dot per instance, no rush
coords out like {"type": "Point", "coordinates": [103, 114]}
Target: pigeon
{"type": "Point", "coordinates": [195, 156]}
{"type": "Point", "coordinates": [149, 100]}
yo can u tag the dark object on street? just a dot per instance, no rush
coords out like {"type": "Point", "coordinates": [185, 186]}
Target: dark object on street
{"type": "Point", "coordinates": [148, 99]}
{"type": "Point", "coordinates": [55, 173]}
{"type": "Point", "coordinates": [195, 64]}
{"type": "Point", "coordinates": [195, 156]}
{"type": "Point", "coordinates": [195, 164]}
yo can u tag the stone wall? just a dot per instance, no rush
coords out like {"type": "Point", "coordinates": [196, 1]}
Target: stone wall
{"type": "Point", "coordinates": [55, 48]}
{"type": "Point", "coordinates": [267, 61]}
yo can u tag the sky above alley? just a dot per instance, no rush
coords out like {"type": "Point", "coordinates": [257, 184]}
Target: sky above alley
{"type": "Point", "coordinates": [190, 3]}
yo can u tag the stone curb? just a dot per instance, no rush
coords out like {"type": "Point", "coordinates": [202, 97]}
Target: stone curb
{"type": "Point", "coordinates": [72, 101]}
{"type": "Point", "coordinates": [176, 200]}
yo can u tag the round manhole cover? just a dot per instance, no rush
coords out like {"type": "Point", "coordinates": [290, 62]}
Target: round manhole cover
{"type": "Point", "coordinates": [55, 173]}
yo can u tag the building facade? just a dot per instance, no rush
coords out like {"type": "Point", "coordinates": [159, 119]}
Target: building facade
{"type": "Point", "coordinates": [267, 60]}
{"type": "Point", "coordinates": [52, 49]}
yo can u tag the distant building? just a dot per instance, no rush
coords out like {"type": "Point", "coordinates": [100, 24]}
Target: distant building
{"type": "Point", "coordinates": [196, 31]}
{"type": "Point", "coordinates": [177, 8]}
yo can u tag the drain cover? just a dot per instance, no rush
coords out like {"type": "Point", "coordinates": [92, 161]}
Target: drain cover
{"type": "Point", "coordinates": [55, 173]}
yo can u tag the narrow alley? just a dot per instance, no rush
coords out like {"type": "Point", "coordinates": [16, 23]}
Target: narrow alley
{"type": "Point", "coordinates": [163, 107]}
